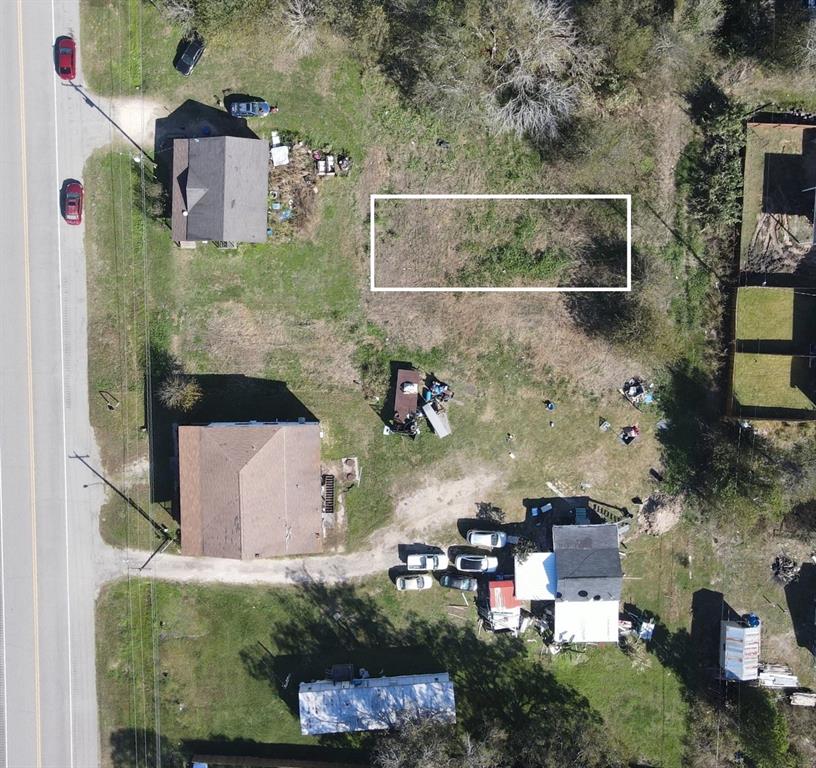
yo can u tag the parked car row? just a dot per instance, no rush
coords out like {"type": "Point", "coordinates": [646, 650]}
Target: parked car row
{"type": "Point", "coordinates": [468, 563]}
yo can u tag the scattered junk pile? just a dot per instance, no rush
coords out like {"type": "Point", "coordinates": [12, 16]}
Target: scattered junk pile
{"type": "Point", "coordinates": [294, 171]}
{"type": "Point", "coordinates": [637, 392]}
{"type": "Point", "coordinates": [785, 569]}
{"type": "Point", "coordinates": [415, 401]}
{"type": "Point", "coordinates": [629, 434]}
{"type": "Point", "coordinates": [327, 164]}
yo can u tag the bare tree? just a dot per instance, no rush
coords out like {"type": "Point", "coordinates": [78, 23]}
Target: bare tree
{"type": "Point", "coordinates": [181, 12]}
{"type": "Point", "coordinates": [541, 69]}
{"type": "Point", "coordinates": [527, 105]}
{"type": "Point", "coordinates": [301, 21]}
{"type": "Point", "coordinates": [180, 393]}
{"type": "Point", "coordinates": [809, 48]}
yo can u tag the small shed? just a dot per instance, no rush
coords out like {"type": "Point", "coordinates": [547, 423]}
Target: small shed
{"type": "Point", "coordinates": [504, 607]}
{"type": "Point", "coordinates": [502, 597]}
{"type": "Point", "coordinates": [535, 578]}
{"type": "Point", "coordinates": [739, 648]}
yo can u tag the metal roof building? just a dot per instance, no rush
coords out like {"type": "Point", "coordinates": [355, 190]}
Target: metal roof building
{"type": "Point", "coordinates": [371, 704]}
{"type": "Point", "coordinates": [739, 649]}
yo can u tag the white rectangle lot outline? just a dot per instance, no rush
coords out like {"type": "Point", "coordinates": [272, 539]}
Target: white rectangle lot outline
{"type": "Point", "coordinates": [520, 289]}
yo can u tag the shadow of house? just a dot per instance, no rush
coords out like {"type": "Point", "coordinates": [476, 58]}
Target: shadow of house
{"type": "Point", "coordinates": [801, 598]}
{"type": "Point", "coordinates": [130, 747]}
{"type": "Point", "coordinates": [789, 180]}
{"type": "Point", "coordinates": [708, 610]}
{"type": "Point", "coordinates": [693, 655]}
{"type": "Point", "coordinates": [192, 120]}
{"type": "Point", "coordinates": [226, 398]}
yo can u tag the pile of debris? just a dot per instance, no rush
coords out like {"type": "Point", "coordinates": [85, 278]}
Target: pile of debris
{"type": "Point", "coordinates": [660, 513]}
{"type": "Point", "coordinates": [292, 188]}
{"type": "Point", "coordinates": [637, 391]}
{"type": "Point", "coordinates": [785, 569]}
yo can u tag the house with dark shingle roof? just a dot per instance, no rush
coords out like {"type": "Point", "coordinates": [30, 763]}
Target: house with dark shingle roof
{"type": "Point", "coordinates": [251, 489]}
{"type": "Point", "coordinates": [219, 189]}
{"type": "Point", "coordinates": [589, 579]}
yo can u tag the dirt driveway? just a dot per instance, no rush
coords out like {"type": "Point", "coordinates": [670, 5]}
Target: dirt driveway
{"type": "Point", "coordinates": [418, 516]}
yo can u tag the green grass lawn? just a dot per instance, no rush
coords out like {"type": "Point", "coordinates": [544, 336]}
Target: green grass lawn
{"type": "Point", "coordinates": [765, 313]}
{"type": "Point", "coordinates": [126, 255]}
{"type": "Point", "coordinates": [765, 381]}
{"type": "Point", "coordinates": [216, 660]}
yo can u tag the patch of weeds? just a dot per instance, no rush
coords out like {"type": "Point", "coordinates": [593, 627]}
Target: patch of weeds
{"type": "Point", "coordinates": [513, 261]}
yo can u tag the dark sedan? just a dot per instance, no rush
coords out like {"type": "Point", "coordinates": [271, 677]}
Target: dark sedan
{"type": "Point", "coordinates": [457, 581]}
{"type": "Point", "coordinates": [190, 54]}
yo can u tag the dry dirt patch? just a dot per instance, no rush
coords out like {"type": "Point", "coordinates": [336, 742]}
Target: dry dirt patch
{"type": "Point", "coordinates": [255, 342]}
{"type": "Point", "coordinates": [434, 506]}
{"type": "Point", "coordinates": [137, 118]}
{"type": "Point", "coordinates": [537, 323]}
{"type": "Point", "coordinates": [660, 513]}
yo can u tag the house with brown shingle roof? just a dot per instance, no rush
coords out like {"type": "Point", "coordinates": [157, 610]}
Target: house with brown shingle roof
{"type": "Point", "coordinates": [250, 489]}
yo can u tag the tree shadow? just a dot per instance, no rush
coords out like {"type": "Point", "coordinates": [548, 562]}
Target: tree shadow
{"type": "Point", "coordinates": [132, 747]}
{"type": "Point", "coordinates": [495, 680]}
{"type": "Point", "coordinates": [226, 398]}
{"type": "Point", "coordinates": [136, 746]}
{"type": "Point", "coordinates": [617, 315]}
{"type": "Point", "coordinates": [801, 599]}
{"type": "Point", "coordinates": [687, 439]}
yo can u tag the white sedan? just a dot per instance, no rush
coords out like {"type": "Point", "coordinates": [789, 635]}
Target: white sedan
{"type": "Point", "coordinates": [413, 583]}
{"type": "Point", "coordinates": [476, 563]}
{"type": "Point", "coordinates": [427, 562]}
{"type": "Point", "coordinates": [495, 539]}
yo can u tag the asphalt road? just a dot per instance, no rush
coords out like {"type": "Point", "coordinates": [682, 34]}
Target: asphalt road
{"type": "Point", "coordinates": [48, 536]}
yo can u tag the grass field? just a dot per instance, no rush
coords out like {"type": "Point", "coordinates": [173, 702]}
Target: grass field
{"type": "Point", "coordinates": [490, 243]}
{"type": "Point", "coordinates": [214, 658]}
{"type": "Point", "coordinates": [766, 381]}
{"type": "Point", "coordinates": [222, 654]}
{"type": "Point", "coordinates": [179, 665]}
{"type": "Point", "coordinates": [765, 313]}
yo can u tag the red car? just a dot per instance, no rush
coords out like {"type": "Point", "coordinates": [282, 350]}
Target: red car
{"type": "Point", "coordinates": [66, 57]}
{"type": "Point", "coordinates": [72, 202]}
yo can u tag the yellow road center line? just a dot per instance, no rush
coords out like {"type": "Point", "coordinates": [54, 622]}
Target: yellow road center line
{"type": "Point", "coordinates": [32, 484]}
